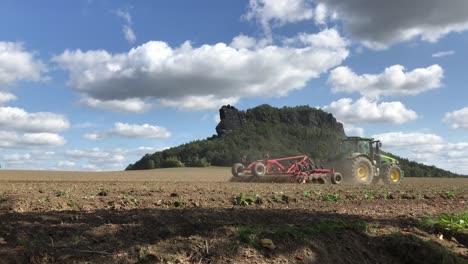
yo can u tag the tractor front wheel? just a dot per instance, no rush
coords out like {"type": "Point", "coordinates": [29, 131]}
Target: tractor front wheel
{"type": "Point", "coordinates": [259, 169]}
{"type": "Point", "coordinates": [391, 174]}
{"type": "Point", "coordinates": [238, 170]}
{"type": "Point", "coordinates": [362, 170]}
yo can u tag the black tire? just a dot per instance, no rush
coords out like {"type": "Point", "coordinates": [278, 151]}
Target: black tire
{"type": "Point", "coordinates": [259, 169]}
{"type": "Point", "coordinates": [238, 170]}
{"type": "Point", "coordinates": [362, 170]}
{"type": "Point", "coordinates": [337, 178]}
{"type": "Point", "coordinates": [391, 174]}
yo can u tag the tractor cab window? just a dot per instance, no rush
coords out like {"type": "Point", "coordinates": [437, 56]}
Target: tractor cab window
{"type": "Point", "coordinates": [347, 147]}
{"type": "Point", "coordinates": [363, 147]}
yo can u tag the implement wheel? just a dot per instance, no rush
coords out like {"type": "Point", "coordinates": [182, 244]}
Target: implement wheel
{"type": "Point", "coordinates": [392, 174]}
{"type": "Point", "coordinates": [238, 170]}
{"type": "Point", "coordinates": [337, 178]}
{"type": "Point", "coordinates": [362, 170]}
{"type": "Point", "coordinates": [259, 169]}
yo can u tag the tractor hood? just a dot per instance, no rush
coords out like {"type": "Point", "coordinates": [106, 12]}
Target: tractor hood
{"type": "Point", "coordinates": [388, 159]}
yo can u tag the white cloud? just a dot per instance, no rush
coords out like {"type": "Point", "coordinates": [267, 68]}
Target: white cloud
{"type": "Point", "coordinates": [367, 111]}
{"type": "Point", "coordinates": [210, 72]}
{"type": "Point", "coordinates": [30, 140]}
{"type": "Point", "coordinates": [279, 12]}
{"type": "Point", "coordinates": [66, 164]}
{"type": "Point", "coordinates": [457, 119]}
{"type": "Point", "coordinates": [132, 105]}
{"type": "Point", "coordinates": [394, 81]}
{"type": "Point", "coordinates": [352, 130]}
{"type": "Point", "coordinates": [139, 131]}
{"type": "Point", "coordinates": [10, 158]}
{"type": "Point", "coordinates": [427, 148]}
{"type": "Point", "coordinates": [93, 136]}
{"type": "Point", "coordinates": [321, 13]}
{"type": "Point", "coordinates": [199, 103]}
{"type": "Point", "coordinates": [12, 118]}
{"type": "Point", "coordinates": [18, 64]}
{"type": "Point", "coordinates": [97, 159]}
{"type": "Point", "coordinates": [378, 24]}
{"type": "Point", "coordinates": [127, 29]}
{"type": "Point", "coordinates": [409, 140]}
{"type": "Point", "coordinates": [6, 97]}
{"type": "Point", "coordinates": [129, 33]}
{"type": "Point", "coordinates": [243, 42]}
{"type": "Point", "coordinates": [443, 54]}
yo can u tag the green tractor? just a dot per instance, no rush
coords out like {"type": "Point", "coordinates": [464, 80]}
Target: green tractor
{"type": "Point", "coordinates": [361, 162]}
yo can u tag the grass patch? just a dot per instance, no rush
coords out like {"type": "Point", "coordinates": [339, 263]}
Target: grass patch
{"type": "Point", "coordinates": [446, 223]}
{"type": "Point", "coordinates": [252, 235]}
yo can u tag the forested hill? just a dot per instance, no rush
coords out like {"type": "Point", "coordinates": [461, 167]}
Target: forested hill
{"type": "Point", "coordinates": [264, 129]}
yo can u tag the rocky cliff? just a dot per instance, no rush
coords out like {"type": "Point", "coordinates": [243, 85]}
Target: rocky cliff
{"type": "Point", "coordinates": [233, 119]}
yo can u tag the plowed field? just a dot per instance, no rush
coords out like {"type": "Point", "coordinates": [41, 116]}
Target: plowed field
{"type": "Point", "coordinates": [204, 216]}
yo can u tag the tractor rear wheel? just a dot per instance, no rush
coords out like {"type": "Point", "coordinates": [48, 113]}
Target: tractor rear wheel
{"type": "Point", "coordinates": [259, 169]}
{"type": "Point", "coordinates": [238, 170]}
{"type": "Point", "coordinates": [362, 170]}
{"type": "Point", "coordinates": [391, 174]}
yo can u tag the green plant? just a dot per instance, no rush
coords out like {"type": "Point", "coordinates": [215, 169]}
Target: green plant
{"type": "Point", "coordinates": [450, 194]}
{"type": "Point", "coordinates": [448, 223]}
{"type": "Point", "coordinates": [307, 194]}
{"type": "Point", "coordinates": [332, 197]}
{"type": "Point", "coordinates": [71, 203]}
{"type": "Point", "coordinates": [246, 199]}
{"type": "Point", "coordinates": [369, 196]}
{"type": "Point", "coordinates": [44, 200]}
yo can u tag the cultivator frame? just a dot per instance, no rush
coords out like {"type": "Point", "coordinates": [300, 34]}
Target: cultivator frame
{"type": "Point", "coordinates": [298, 168]}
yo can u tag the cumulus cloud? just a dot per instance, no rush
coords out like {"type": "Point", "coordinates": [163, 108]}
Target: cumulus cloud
{"type": "Point", "coordinates": [352, 130]}
{"type": "Point", "coordinates": [427, 148]}
{"type": "Point", "coordinates": [368, 111]}
{"type": "Point", "coordinates": [132, 105]}
{"type": "Point", "coordinates": [379, 24]}
{"type": "Point", "coordinates": [18, 64]}
{"type": "Point", "coordinates": [6, 97]}
{"type": "Point", "coordinates": [139, 131]}
{"type": "Point", "coordinates": [410, 140]}
{"type": "Point", "coordinates": [457, 119]}
{"type": "Point", "coordinates": [98, 159]}
{"type": "Point", "coordinates": [30, 140]}
{"type": "Point", "coordinates": [208, 73]}
{"type": "Point", "coordinates": [394, 81]}
{"type": "Point", "coordinates": [17, 119]}
{"type": "Point", "coordinates": [199, 103]}
{"type": "Point", "coordinates": [443, 54]}
{"type": "Point", "coordinates": [278, 12]}
{"type": "Point", "coordinates": [127, 29]}
{"type": "Point", "coordinates": [93, 136]}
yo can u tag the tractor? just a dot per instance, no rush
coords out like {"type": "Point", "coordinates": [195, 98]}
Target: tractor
{"type": "Point", "coordinates": [360, 161]}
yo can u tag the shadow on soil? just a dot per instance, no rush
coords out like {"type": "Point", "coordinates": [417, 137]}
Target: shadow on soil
{"type": "Point", "coordinates": [208, 235]}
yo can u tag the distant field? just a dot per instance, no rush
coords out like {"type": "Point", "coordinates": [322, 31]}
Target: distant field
{"type": "Point", "coordinates": [212, 174]}
{"type": "Point", "coordinates": [202, 215]}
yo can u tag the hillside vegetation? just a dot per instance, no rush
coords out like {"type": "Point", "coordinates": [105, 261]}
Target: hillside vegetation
{"type": "Point", "coordinates": [264, 129]}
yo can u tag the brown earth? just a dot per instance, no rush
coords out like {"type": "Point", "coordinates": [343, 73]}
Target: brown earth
{"type": "Point", "coordinates": [199, 216]}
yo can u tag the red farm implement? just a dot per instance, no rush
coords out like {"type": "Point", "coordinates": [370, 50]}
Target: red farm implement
{"type": "Point", "coordinates": [297, 168]}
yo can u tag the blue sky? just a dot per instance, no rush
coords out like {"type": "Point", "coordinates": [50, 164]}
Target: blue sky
{"type": "Point", "coordinates": [94, 85]}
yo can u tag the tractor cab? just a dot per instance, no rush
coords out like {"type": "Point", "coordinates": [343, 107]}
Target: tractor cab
{"type": "Point", "coordinates": [351, 146]}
